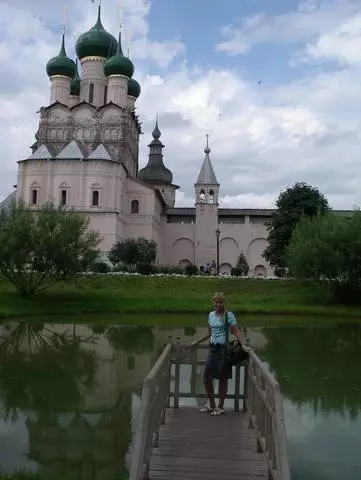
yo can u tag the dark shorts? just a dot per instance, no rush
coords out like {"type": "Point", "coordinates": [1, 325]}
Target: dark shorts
{"type": "Point", "coordinates": [216, 366]}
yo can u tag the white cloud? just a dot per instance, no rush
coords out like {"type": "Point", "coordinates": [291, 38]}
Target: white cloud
{"type": "Point", "coordinates": [341, 43]}
{"type": "Point", "coordinates": [292, 27]}
{"type": "Point", "coordinates": [262, 139]}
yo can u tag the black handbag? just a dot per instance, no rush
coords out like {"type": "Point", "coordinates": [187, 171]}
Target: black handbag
{"type": "Point", "coordinates": [234, 352]}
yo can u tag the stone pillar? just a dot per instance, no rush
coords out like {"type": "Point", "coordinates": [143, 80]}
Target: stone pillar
{"type": "Point", "coordinates": [93, 81]}
{"type": "Point", "coordinates": [117, 90]}
{"type": "Point", "coordinates": [60, 89]}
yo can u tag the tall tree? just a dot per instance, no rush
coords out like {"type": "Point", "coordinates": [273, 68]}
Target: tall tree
{"type": "Point", "coordinates": [301, 200]}
{"type": "Point", "coordinates": [327, 250]}
{"type": "Point", "coordinates": [38, 249]}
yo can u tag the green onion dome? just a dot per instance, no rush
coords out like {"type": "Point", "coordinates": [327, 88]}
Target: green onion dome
{"type": "Point", "coordinates": [97, 42]}
{"type": "Point", "coordinates": [133, 88]}
{"type": "Point", "coordinates": [61, 64]}
{"type": "Point", "coordinates": [75, 83]}
{"type": "Point", "coordinates": [119, 64]}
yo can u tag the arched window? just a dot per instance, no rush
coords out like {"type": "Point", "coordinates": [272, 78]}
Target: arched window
{"type": "Point", "coordinates": [95, 198]}
{"type": "Point", "coordinates": [63, 197]}
{"type": "Point", "coordinates": [34, 196]}
{"type": "Point", "coordinates": [91, 93]}
{"type": "Point", "coordinates": [202, 196]}
{"type": "Point", "coordinates": [211, 196]}
{"type": "Point", "coordinates": [134, 206]}
{"type": "Point", "coordinates": [105, 94]}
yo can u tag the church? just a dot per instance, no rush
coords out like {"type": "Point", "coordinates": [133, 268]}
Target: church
{"type": "Point", "coordinates": [86, 158]}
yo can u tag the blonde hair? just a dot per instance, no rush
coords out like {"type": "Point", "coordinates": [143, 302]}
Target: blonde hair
{"type": "Point", "coordinates": [220, 296]}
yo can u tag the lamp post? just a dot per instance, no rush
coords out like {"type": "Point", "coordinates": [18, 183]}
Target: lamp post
{"type": "Point", "coordinates": [218, 232]}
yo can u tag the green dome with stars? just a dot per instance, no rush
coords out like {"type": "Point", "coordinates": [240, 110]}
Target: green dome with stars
{"type": "Point", "coordinates": [97, 42]}
{"type": "Point", "coordinates": [61, 64]}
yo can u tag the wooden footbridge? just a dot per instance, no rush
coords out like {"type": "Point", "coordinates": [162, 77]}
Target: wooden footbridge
{"type": "Point", "coordinates": [174, 441]}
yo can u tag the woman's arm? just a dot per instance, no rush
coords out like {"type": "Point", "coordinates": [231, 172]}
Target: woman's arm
{"type": "Point", "coordinates": [237, 333]}
{"type": "Point", "coordinates": [203, 339]}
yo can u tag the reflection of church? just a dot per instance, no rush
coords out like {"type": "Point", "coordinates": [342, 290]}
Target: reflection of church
{"type": "Point", "coordinates": [86, 157]}
{"type": "Point", "coordinates": [88, 437]}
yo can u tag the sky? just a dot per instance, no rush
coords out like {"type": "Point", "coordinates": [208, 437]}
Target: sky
{"type": "Point", "coordinates": [276, 85]}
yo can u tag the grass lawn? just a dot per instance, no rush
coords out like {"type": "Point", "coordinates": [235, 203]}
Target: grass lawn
{"type": "Point", "coordinates": [150, 297]}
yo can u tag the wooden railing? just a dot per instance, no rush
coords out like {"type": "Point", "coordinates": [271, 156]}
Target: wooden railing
{"type": "Point", "coordinates": [154, 401]}
{"type": "Point", "coordinates": [183, 356]}
{"type": "Point", "coordinates": [265, 408]}
{"type": "Point", "coordinates": [254, 386]}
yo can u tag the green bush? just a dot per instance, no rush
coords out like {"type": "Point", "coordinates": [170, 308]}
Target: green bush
{"type": "Point", "coordinates": [191, 270]}
{"type": "Point", "coordinates": [327, 249]}
{"type": "Point", "coordinates": [164, 269]}
{"type": "Point", "coordinates": [236, 271]}
{"type": "Point", "coordinates": [101, 267]}
{"type": "Point", "coordinates": [145, 268]}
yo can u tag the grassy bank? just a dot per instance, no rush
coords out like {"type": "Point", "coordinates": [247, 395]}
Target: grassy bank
{"type": "Point", "coordinates": [105, 295]}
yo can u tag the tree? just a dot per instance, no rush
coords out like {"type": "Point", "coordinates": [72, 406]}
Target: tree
{"type": "Point", "coordinates": [242, 265]}
{"type": "Point", "coordinates": [133, 251]}
{"type": "Point", "coordinates": [38, 249]}
{"type": "Point", "coordinates": [301, 200]}
{"type": "Point", "coordinates": [327, 249]}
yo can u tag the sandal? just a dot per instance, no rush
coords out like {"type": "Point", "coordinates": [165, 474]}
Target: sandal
{"type": "Point", "coordinates": [206, 409]}
{"type": "Point", "coordinates": [217, 411]}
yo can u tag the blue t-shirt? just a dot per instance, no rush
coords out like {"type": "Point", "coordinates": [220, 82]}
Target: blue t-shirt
{"type": "Point", "coordinates": [216, 322]}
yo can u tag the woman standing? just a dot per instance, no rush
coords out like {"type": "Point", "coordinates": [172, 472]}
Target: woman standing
{"type": "Point", "coordinates": [216, 366]}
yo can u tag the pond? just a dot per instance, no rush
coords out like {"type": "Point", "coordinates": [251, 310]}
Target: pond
{"type": "Point", "coordinates": [69, 396]}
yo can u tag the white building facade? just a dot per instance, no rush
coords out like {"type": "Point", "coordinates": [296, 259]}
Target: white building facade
{"type": "Point", "coordinates": [86, 158]}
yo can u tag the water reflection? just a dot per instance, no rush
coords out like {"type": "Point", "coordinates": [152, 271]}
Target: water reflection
{"type": "Point", "coordinates": [66, 394]}
{"type": "Point", "coordinates": [319, 378]}
{"type": "Point", "coordinates": [70, 395]}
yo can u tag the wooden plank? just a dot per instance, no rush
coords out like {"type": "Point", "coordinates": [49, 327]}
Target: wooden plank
{"type": "Point", "coordinates": [195, 446]}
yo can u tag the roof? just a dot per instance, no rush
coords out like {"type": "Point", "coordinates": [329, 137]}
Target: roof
{"type": "Point", "coordinates": [5, 204]}
{"type": "Point", "coordinates": [100, 153]}
{"type": "Point", "coordinates": [41, 153]}
{"type": "Point", "coordinates": [71, 151]}
{"type": "Point", "coordinates": [206, 175]}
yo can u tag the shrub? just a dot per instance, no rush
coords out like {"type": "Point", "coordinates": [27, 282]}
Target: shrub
{"type": "Point", "coordinates": [242, 264]}
{"type": "Point", "coordinates": [101, 267]}
{"type": "Point", "coordinates": [191, 270]}
{"type": "Point", "coordinates": [236, 271]}
{"type": "Point", "coordinates": [145, 268]}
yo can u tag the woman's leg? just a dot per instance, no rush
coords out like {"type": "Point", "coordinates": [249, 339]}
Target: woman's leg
{"type": "Point", "coordinates": [223, 387]}
{"type": "Point", "coordinates": [208, 383]}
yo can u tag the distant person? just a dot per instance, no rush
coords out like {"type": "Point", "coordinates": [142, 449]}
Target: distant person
{"type": "Point", "coordinates": [216, 365]}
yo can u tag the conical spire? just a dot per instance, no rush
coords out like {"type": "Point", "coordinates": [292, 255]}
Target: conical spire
{"type": "Point", "coordinates": [99, 19]}
{"type": "Point", "coordinates": [62, 52]}
{"type": "Point", "coordinates": [206, 175]}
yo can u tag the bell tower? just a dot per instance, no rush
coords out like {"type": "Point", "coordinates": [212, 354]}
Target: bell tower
{"type": "Point", "coordinates": [206, 192]}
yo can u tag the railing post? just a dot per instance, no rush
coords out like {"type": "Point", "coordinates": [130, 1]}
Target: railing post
{"type": "Point", "coordinates": [245, 387]}
{"type": "Point", "coordinates": [169, 374]}
{"type": "Point", "coordinates": [177, 373]}
{"type": "Point", "coordinates": [194, 354]}
{"type": "Point", "coordinates": [237, 382]}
